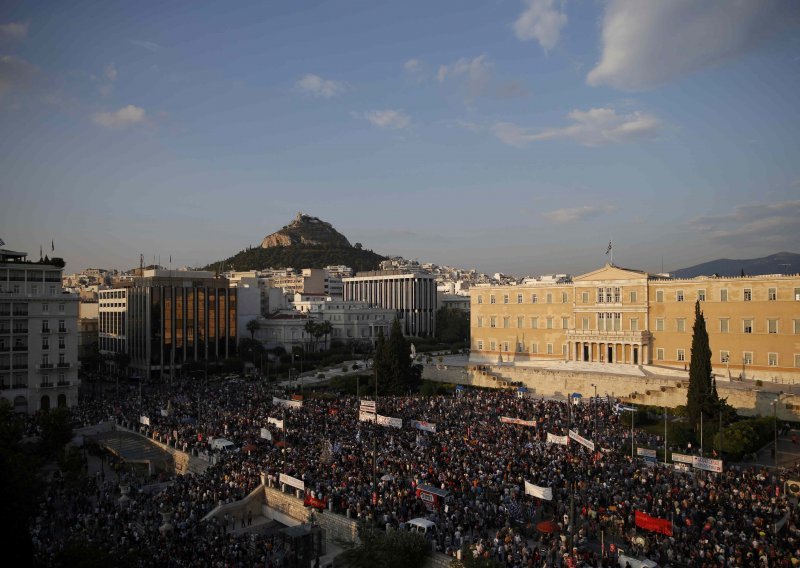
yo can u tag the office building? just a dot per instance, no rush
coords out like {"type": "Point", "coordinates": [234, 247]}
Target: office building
{"type": "Point", "coordinates": [166, 318]}
{"type": "Point", "coordinates": [411, 294]}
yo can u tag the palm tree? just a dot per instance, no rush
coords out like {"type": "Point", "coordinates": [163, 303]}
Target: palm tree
{"type": "Point", "coordinates": [311, 328]}
{"type": "Point", "coordinates": [253, 326]}
{"type": "Point", "coordinates": [325, 329]}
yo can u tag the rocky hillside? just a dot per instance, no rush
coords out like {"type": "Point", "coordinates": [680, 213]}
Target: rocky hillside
{"type": "Point", "coordinates": [309, 231]}
{"type": "Point", "coordinates": [306, 242]}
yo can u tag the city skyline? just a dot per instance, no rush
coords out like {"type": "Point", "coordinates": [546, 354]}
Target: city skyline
{"type": "Point", "coordinates": [516, 136]}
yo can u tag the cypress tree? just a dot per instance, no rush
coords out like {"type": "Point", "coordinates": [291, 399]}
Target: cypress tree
{"type": "Point", "coordinates": [702, 394]}
{"type": "Point", "coordinates": [399, 355]}
{"type": "Point", "coordinates": [381, 362]}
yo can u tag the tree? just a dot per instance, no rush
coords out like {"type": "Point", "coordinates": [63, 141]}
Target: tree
{"type": "Point", "coordinates": [393, 362]}
{"type": "Point", "coordinates": [311, 330]}
{"type": "Point", "coordinates": [452, 325]}
{"type": "Point", "coordinates": [253, 326]}
{"type": "Point", "coordinates": [392, 549]}
{"type": "Point", "coordinates": [326, 328]}
{"type": "Point", "coordinates": [701, 397]}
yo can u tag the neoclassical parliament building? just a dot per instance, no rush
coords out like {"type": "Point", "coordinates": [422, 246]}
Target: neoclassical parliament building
{"type": "Point", "coordinates": [624, 316]}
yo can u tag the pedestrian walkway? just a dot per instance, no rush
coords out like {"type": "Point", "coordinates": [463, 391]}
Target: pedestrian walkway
{"type": "Point", "coordinates": [132, 448]}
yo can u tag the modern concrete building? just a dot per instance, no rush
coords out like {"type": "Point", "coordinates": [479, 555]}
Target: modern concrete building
{"type": "Point", "coordinates": [412, 295]}
{"type": "Point", "coordinates": [166, 318]}
{"type": "Point", "coordinates": [38, 335]}
{"type": "Point", "coordinates": [310, 281]}
{"type": "Point", "coordinates": [618, 315]}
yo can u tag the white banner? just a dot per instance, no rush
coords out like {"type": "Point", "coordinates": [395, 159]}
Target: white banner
{"type": "Point", "coordinates": [164, 412]}
{"type": "Point", "coordinates": [266, 434]}
{"type": "Point", "coordinates": [367, 406]}
{"type": "Point", "coordinates": [707, 464]}
{"type": "Point", "coordinates": [290, 403]}
{"type": "Point", "coordinates": [581, 440]}
{"type": "Point", "coordinates": [366, 417]}
{"type": "Point", "coordinates": [422, 425]}
{"type": "Point", "coordinates": [682, 458]}
{"type": "Point", "coordinates": [646, 453]}
{"type": "Point", "coordinates": [553, 439]}
{"type": "Point", "coordinates": [390, 421]}
{"type": "Point", "coordinates": [684, 467]}
{"type": "Point", "coordinates": [293, 481]}
{"type": "Point", "coordinates": [278, 423]}
{"type": "Point", "coordinates": [517, 421]}
{"type": "Point", "coordinates": [545, 493]}
{"type": "Point", "coordinates": [144, 420]}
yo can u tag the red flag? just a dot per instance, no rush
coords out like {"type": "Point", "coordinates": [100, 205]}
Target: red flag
{"type": "Point", "coordinates": [654, 524]}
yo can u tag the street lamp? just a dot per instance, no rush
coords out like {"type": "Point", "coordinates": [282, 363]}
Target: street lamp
{"type": "Point", "coordinates": [594, 404]}
{"type": "Point", "coordinates": [774, 405]}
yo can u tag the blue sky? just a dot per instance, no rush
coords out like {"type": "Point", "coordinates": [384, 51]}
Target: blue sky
{"type": "Point", "coordinates": [508, 135]}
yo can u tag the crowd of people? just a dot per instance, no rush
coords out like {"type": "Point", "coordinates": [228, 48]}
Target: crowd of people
{"type": "Point", "coordinates": [717, 519]}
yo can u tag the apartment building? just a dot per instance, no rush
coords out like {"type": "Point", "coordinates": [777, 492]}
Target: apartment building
{"type": "Point", "coordinates": [619, 315]}
{"type": "Point", "coordinates": [38, 335]}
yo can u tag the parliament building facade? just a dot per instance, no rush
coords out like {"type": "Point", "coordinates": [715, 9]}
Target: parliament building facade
{"type": "Point", "coordinates": [624, 316]}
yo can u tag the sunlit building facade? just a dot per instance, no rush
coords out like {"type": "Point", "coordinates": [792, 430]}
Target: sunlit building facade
{"type": "Point", "coordinates": [623, 316]}
{"type": "Point", "coordinates": [166, 319]}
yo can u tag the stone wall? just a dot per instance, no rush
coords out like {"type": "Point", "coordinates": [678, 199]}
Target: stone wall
{"type": "Point", "coordinates": [437, 560]}
{"type": "Point", "coordinates": [649, 390]}
{"type": "Point", "coordinates": [239, 509]}
{"type": "Point", "coordinates": [184, 463]}
{"type": "Point", "coordinates": [337, 527]}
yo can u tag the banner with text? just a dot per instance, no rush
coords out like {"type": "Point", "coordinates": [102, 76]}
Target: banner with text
{"type": "Point", "coordinates": [276, 422]}
{"type": "Point", "coordinates": [290, 403]}
{"type": "Point", "coordinates": [647, 454]}
{"type": "Point", "coordinates": [144, 420]}
{"type": "Point", "coordinates": [422, 425]}
{"type": "Point", "coordinates": [707, 464]}
{"type": "Point", "coordinates": [517, 421]}
{"type": "Point", "coordinates": [390, 421]}
{"type": "Point", "coordinates": [581, 440]}
{"type": "Point", "coordinates": [553, 439]}
{"type": "Point", "coordinates": [366, 416]}
{"type": "Point", "coordinates": [292, 481]}
{"type": "Point", "coordinates": [367, 406]}
{"type": "Point", "coordinates": [682, 458]}
{"type": "Point", "coordinates": [545, 493]}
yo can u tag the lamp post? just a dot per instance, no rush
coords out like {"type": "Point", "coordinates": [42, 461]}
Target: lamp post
{"type": "Point", "coordinates": [594, 404]}
{"type": "Point", "coordinates": [774, 405]}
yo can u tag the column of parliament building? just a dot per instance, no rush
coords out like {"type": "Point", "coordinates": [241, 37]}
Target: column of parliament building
{"type": "Point", "coordinates": [623, 316]}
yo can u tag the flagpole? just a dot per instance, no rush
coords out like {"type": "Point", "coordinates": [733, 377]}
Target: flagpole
{"type": "Point", "coordinates": [611, 247]}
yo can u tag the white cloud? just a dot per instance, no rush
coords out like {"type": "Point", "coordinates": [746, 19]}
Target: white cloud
{"type": "Point", "coordinates": [753, 225]}
{"type": "Point", "coordinates": [126, 116]}
{"type": "Point", "coordinates": [15, 73]}
{"type": "Point", "coordinates": [569, 215]}
{"type": "Point", "coordinates": [319, 87]}
{"type": "Point", "coordinates": [646, 44]}
{"type": "Point", "coordinates": [412, 66]}
{"type": "Point", "coordinates": [594, 127]}
{"type": "Point", "coordinates": [475, 71]}
{"type": "Point", "coordinates": [14, 31]}
{"type": "Point", "coordinates": [110, 72]}
{"type": "Point", "coordinates": [542, 20]}
{"type": "Point", "coordinates": [387, 118]}
{"type": "Point", "coordinates": [148, 45]}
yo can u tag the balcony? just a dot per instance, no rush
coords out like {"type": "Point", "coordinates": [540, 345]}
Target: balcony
{"type": "Point", "coordinates": [45, 330]}
{"type": "Point", "coordinates": [47, 385]}
{"type": "Point", "coordinates": [44, 366]}
{"type": "Point", "coordinates": [64, 365]}
{"type": "Point", "coordinates": [62, 330]}
{"type": "Point", "coordinates": [20, 330]}
{"type": "Point", "coordinates": [598, 336]}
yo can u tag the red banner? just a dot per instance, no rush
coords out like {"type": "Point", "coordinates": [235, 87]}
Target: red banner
{"type": "Point", "coordinates": [310, 501]}
{"type": "Point", "coordinates": [654, 524]}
